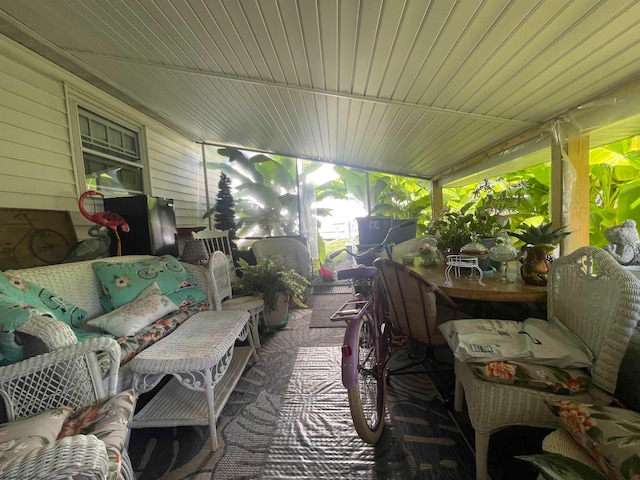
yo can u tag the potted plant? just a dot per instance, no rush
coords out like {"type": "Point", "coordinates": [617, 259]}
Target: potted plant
{"type": "Point", "coordinates": [539, 242]}
{"type": "Point", "coordinates": [277, 284]}
{"type": "Point", "coordinates": [452, 229]}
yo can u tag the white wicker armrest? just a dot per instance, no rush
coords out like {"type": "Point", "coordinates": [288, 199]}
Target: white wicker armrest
{"type": "Point", "coordinates": [70, 456]}
{"type": "Point", "coordinates": [44, 334]}
{"type": "Point", "coordinates": [67, 376]}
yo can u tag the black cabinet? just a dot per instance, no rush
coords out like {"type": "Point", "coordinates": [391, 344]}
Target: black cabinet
{"type": "Point", "coordinates": [152, 221]}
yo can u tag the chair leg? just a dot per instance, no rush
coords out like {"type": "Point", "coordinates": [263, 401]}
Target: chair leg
{"type": "Point", "coordinates": [482, 450]}
{"type": "Point", "coordinates": [458, 400]}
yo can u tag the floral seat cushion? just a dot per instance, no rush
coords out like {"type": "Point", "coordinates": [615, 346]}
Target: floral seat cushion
{"type": "Point", "coordinates": [563, 381]}
{"type": "Point", "coordinates": [610, 434]}
{"type": "Point", "coordinates": [145, 337]}
{"type": "Point", "coordinates": [23, 436]}
{"type": "Point", "coordinates": [109, 421]}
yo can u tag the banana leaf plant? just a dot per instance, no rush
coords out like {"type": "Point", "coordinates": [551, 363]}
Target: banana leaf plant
{"type": "Point", "coordinates": [266, 192]}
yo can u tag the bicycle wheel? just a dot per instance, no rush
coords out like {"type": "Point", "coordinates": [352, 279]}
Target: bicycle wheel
{"type": "Point", "coordinates": [48, 246]}
{"type": "Point", "coordinates": [367, 398]}
{"type": "Point", "coordinates": [173, 266]}
{"type": "Point", "coordinates": [148, 273]}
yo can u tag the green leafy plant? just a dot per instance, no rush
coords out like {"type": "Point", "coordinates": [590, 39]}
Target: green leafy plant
{"type": "Point", "coordinates": [554, 466]}
{"type": "Point", "coordinates": [269, 278]}
{"type": "Point", "coordinates": [452, 228]}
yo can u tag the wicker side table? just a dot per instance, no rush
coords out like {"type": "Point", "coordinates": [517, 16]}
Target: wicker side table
{"type": "Point", "coordinates": [206, 367]}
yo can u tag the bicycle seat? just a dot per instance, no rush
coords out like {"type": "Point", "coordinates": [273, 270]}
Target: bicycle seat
{"type": "Point", "coordinates": [359, 272]}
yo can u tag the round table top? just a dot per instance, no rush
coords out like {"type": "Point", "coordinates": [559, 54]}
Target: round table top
{"type": "Point", "coordinates": [492, 291]}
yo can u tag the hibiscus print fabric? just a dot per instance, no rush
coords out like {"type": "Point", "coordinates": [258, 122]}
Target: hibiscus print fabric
{"type": "Point", "coordinates": [109, 421]}
{"type": "Point", "coordinates": [562, 381]}
{"type": "Point", "coordinates": [22, 436]}
{"type": "Point", "coordinates": [133, 344]}
{"type": "Point", "coordinates": [611, 435]}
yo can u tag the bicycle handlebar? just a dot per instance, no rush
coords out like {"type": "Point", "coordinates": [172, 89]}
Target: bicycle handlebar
{"type": "Point", "coordinates": [376, 248]}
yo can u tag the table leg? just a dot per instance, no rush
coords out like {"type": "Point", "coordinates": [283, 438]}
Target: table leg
{"type": "Point", "coordinates": [212, 415]}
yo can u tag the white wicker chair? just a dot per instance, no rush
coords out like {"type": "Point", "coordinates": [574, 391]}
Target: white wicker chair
{"type": "Point", "coordinates": [293, 252]}
{"type": "Point", "coordinates": [222, 295]}
{"type": "Point", "coordinates": [67, 376]}
{"type": "Point", "coordinates": [214, 240]}
{"type": "Point", "coordinates": [596, 298]}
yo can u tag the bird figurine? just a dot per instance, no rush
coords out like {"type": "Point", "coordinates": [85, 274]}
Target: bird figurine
{"type": "Point", "coordinates": [106, 219]}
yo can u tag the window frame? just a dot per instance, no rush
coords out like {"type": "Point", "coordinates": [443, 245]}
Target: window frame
{"type": "Point", "coordinates": [77, 100]}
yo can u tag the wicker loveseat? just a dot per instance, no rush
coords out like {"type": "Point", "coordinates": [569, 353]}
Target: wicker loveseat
{"type": "Point", "coordinates": [78, 284]}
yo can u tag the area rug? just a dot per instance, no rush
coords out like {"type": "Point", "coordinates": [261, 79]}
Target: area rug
{"type": "Point", "coordinates": [420, 441]}
{"type": "Point", "coordinates": [314, 436]}
{"type": "Point", "coordinates": [330, 289]}
{"type": "Point", "coordinates": [323, 307]}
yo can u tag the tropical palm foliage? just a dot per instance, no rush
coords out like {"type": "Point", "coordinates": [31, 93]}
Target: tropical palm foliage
{"type": "Point", "coordinates": [267, 200]}
{"type": "Point", "coordinates": [266, 192]}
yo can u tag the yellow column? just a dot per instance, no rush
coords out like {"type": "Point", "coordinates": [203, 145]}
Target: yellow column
{"type": "Point", "coordinates": [436, 198]}
{"type": "Point", "coordinates": [570, 190]}
{"type": "Point", "coordinates": [577, 213]}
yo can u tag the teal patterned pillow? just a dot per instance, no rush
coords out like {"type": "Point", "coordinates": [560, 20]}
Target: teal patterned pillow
{"type": "Point", "coordinates": [16, 290]}
{"type": "Point", "coordinates": [12, 316]}
{"type": "Point", "coordinates": [21, 300]}
{"type": "Point", "coordinates": [123, 282]}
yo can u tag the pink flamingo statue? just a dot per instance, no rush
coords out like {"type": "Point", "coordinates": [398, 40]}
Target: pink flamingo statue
{"type": "Point", "coordinates": [106, 219]}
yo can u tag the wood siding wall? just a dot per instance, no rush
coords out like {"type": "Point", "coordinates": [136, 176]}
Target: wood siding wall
{"type": "Point", "coordinates": [37, 169]}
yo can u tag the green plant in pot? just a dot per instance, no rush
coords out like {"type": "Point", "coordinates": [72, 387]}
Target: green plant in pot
{"type": "Point", "coordinates": [452, 229]}
{"type": "Point", "coordinates": [539, 242]}
{"type": "Point", "coordinates": [277, 284]}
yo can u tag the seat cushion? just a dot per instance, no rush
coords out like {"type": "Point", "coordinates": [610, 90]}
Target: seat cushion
{"type": "Point", "coordinates": [610, 434]}
{"type": "Point", "coordinates": [109, 421]}
{"type": "Point", "coordinates": [562, 381]}
{"type": "Point", "coordinates": [22, 436]}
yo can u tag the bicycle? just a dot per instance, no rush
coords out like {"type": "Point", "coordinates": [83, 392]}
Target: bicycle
{"type": "Point", "coordinates": [367, 341]}
{"type": "Point", "coordinates": [46, 245]}
{"type": "Point", "coordinates": [149, 272]}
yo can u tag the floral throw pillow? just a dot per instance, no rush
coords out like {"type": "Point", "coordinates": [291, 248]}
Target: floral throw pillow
{"type": "Point", "coordinates": [124, 321]}
{"type": "Point", "coordinates": [21, 437]}
{"type": "Point", "coordinates": [563, 381]}
{"type": "Point", "coordinates": [610, 434]}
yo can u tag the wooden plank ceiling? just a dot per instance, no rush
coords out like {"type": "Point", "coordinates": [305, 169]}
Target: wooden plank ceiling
{"type": "Point", "coordinates": [405, 86]}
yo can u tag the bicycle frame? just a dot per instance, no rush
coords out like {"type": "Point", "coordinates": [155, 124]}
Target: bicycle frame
{"type": "Point", "coordinates": [352, 316]}
{"type": "Point", "coordinates": [365, 350]}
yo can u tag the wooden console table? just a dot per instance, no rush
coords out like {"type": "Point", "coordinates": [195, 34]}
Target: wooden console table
{"type": "Point", "coordinates": [467, 288]}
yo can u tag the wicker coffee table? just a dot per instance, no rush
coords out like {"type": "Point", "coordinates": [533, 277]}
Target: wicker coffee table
{"type": "Point", "coordinates": [201, 356]}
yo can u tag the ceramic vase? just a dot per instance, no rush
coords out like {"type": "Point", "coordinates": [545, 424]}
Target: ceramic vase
{"type": "Point", "coordinates": [279, 317]}
{"type": "Point", "coordinates": [535, 265]}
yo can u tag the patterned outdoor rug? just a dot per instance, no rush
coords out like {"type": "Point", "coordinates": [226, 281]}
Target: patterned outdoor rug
{"type": "Point", "coordinates": [260, 435]}
{"type": "Point", "coordinates": [330, 289]}
{"type": "Point", "coordinates": [323, 307]}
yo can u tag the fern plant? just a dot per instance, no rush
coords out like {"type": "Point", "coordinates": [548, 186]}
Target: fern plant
{"type": "Point", "coordinates": [268, 278]}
